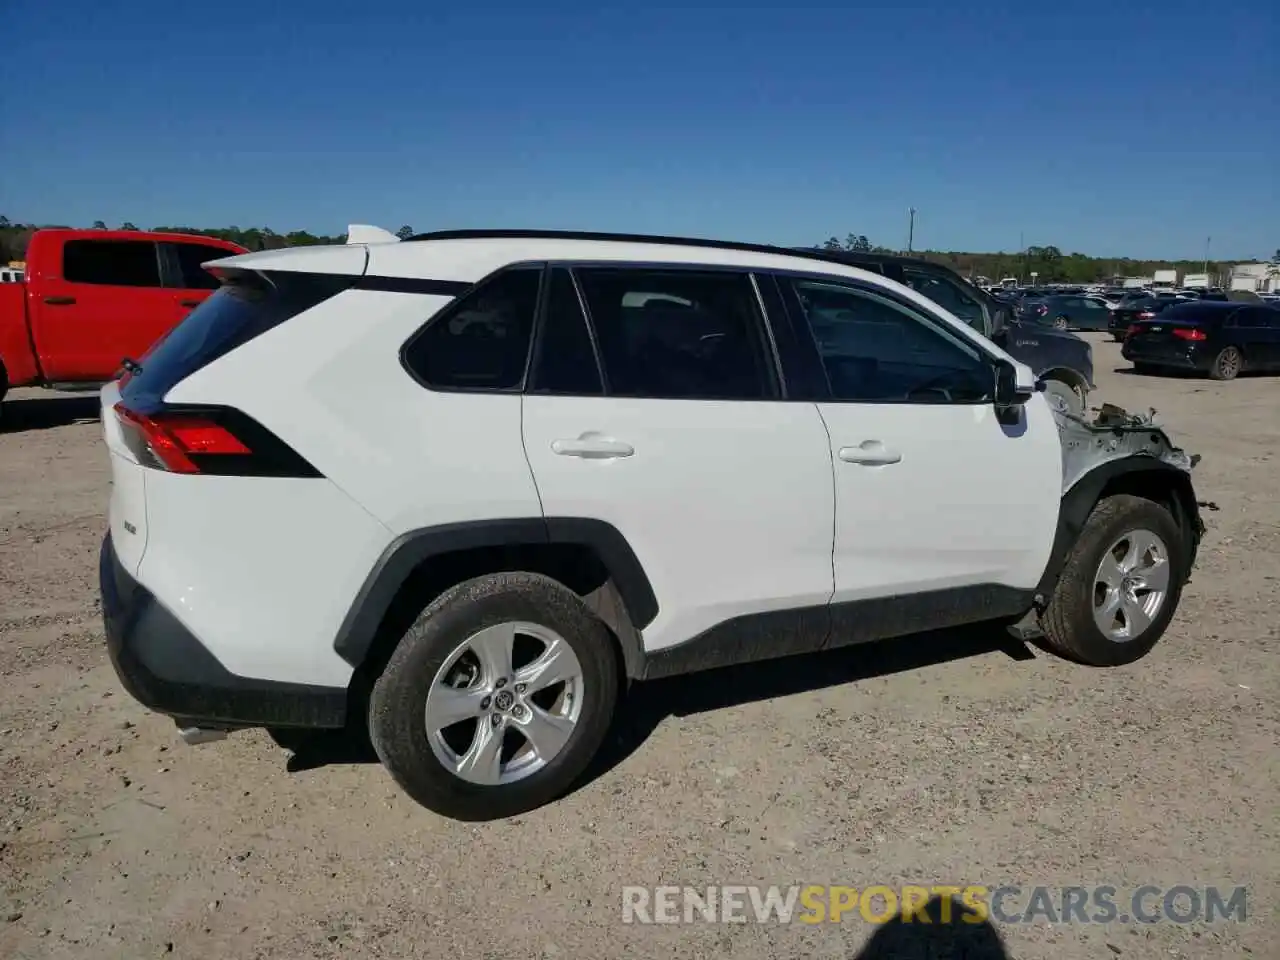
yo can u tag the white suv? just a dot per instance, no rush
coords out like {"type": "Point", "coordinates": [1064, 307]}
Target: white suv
{"type": "Point", "coordinates": [463, 488]}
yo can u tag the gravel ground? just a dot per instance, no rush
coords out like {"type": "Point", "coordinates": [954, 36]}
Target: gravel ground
{"type": "Point", "coordinates": [933, 761]}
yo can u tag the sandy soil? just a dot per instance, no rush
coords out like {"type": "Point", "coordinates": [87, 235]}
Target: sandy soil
{"type": "Point", "coordinates": [933, 761]}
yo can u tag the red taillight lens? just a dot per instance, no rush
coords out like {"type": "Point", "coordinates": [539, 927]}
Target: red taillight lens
{"type": "Point", "coordinates": [1146, 315]}
{"type": "Point", "coordinates": [1042, 310]}
{"type": "Point", "coordinates": [168, 441]}
{"type": "Point", "coordinates": [1133, 328]}
{"type": "Point", "coordinates": [1190, 333]}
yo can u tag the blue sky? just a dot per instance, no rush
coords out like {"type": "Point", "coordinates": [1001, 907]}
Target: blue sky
{"type": "Point", "coordinates": [1110, 128]}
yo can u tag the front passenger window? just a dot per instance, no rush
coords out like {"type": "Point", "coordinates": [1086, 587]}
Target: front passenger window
{"type": "Point", "coordinates": [876, 350]}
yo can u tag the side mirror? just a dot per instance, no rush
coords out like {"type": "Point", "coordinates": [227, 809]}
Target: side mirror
{"type": "Point", "coordinates": [1008, 392]}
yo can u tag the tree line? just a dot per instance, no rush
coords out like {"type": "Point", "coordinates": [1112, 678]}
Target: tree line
{"type": "Point", "coordinates": [1049, 263]}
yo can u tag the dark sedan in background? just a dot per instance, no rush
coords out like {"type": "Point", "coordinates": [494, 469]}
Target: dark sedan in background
{"type": "Point", "coordinates": [1132, 311]}
{"type": "Point", "coordinates": [1220, 339]}
{"type": "Point", "coordinates": [1067, 312]}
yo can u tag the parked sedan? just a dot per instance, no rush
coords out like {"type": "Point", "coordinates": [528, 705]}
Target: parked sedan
{"type": "Point", "coordinates": [1132, 311]}
{"type": "Point", "coordinates": [1067, 313]}
{"type": "Point", "coordinates": [1220, 339]}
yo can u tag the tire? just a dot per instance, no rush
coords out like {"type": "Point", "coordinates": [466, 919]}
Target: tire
{"type": "Point", "coordinates": [1068, 620]}
{"type": "Point", "coordinates": [398, 717]}
{"type": "Point", "coordinates": [1227, 364]}
{"type": "Point", "coordinates": [1060, 323]}
{"type": "Point", "coordinates": [1069, 396]}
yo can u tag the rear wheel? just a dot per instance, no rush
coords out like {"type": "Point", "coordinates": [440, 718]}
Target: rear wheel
{"type": "Point", "coordinates": [497, 697]}
{"type": "Point", "coordinates": [1060, 323]}
{"type": "Point", "coordinates": [1227, 364]}
{"type": "Point", "coordinates": [1120, 586]}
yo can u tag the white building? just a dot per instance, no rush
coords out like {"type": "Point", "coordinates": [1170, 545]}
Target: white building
{"type": "Point", "coordinates": [1256, 277]}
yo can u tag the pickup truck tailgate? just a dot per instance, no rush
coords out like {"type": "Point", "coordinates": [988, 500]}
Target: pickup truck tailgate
{"type": "Point", "coordinates": [127, 510]}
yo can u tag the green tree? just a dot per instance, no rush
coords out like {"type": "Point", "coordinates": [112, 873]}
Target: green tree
{"type": "Point", "coordinates": [859, 243]}
{"type": "Point", "coordinates": [405, 232]}
{"type": "Point", "coordinates": [127, 226]}
{"type": "Point", "coordinates": [99, 225]}
{"type": "Point", "coordinates": [832, 243]}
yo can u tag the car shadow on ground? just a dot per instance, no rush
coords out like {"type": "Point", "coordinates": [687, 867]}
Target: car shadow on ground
{"type": "Point", "coordinates": [646, 705]}
{"type": "Point", "coordinates": [952, 932]}
{"type": "Point", "coordinates": [44, 413]}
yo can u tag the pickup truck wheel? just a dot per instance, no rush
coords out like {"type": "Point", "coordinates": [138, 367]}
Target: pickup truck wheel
{"type": "Point", "coordinates": [497, 697]}
{"type": "Point", "coordinates": [1065, 396]}
{"type": "Point", "coordinates": [1120, 586]}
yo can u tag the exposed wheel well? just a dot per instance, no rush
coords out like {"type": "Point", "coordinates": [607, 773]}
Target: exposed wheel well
{"type": "Point", "coordinates": [576, 566]}
{"type": "Point", "coordinates": [1172, 490]}
{"type": "Point", "coordinates": [1072, 378]}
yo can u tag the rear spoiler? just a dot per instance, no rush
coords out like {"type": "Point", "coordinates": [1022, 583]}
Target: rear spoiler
{"type": "Point", "coordinates": [366, 233]}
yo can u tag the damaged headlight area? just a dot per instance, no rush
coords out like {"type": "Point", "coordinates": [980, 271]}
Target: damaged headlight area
{"type": "Point", "coordinates": [1114, 434]}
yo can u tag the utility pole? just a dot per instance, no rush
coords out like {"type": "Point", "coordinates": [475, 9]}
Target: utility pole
{"type": "Point", "coordinates": [911, 228]}
{"type": "Point", "coordinates": [1206, 255]}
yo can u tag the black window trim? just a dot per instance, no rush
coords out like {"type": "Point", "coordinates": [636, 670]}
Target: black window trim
{"type": "Point", "coordinates": [800, 321]}
{"type": "Point", "coordinates": [539, 332]}
{"type": "Point", "coordinates": [449, 309]}
{"type": "Point", "coordinates": [171, 277]}
{"type": "Point", "coordinates": [773, 373]}
{"type": "Point", "coordinates": [155, 253]}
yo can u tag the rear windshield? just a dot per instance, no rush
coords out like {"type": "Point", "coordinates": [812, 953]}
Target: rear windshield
{"type": "Point", "coordinates": [243, 308]}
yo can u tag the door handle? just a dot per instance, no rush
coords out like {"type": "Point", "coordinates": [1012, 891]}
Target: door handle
{"type": "Point", "coordinates": [592, 448]}
{"type": "Point", "coordinates": [870, 453]}
{"type": "Point", "coordinates": [189, 303]}
{"type": "Point", "coordinates": [59, 301]}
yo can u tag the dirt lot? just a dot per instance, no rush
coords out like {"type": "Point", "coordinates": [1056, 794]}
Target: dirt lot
{"type": "Point", "coordinates": [939, 760]}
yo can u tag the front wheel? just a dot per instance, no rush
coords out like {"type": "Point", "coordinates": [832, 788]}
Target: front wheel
{"type": "Point", "coordinates": [1120, 586]}
{"type": "Point", "coordinates": [1060, 323]}
{"type": "Point", "coordinates": [497, 697]}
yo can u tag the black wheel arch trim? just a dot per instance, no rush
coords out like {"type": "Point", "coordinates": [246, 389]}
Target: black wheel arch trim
{"type": "Point", "coordinates": [628, 581]}
{"type": "Point", "coordinates": [1078, 502]}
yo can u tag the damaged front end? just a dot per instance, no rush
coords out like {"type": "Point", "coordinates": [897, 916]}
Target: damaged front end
{"type": "Point", "coordinates": [1114, 434]}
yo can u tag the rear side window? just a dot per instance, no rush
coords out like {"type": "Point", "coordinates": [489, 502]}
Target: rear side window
{"type": "Point", "coordinates": [189, 256]}
{"type": "Point", "coordinates": [242, 309]}
{"type": "Point", "coordinates": [482, 341]}
{"type": "Point", "coordinates": [116, 263]}
{"type": "Point", "coordinates": [678, 334]}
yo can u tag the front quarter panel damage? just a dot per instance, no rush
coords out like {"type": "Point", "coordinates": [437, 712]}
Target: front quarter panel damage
{"type": "Point", "coordinates": [1114, 434]}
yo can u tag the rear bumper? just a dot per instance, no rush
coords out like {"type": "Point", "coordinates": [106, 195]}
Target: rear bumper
{"type": "Point", "coordinates": [1165, 354]}
{"type": "Point", "coordinates": [166, 668]}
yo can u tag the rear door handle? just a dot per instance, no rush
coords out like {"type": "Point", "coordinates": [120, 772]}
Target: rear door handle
{"type": "Point", "coordinates": [592, 448]}
{"type": "Point", "coordinates": [59, 301]}
{"type": "Point", "coordinates": [189, 303]}
{"type": "Point", "coordinates": [870, 453]}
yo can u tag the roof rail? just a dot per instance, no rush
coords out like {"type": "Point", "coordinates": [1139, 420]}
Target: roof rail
{"type": "Point", "coordinates": [815, 254]}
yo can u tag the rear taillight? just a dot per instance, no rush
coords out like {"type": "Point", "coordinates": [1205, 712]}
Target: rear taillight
{"type": "Point", "coordinates": [1133, 328]}
{"type": "Point", "coordinates": [1146, 315]}
{"type": "Point", "coordinates": [1190, 333]}
{"type": "Point", "coordinates": [1041, 310]}
{"type": "Point", "coordinates": [215, 441]}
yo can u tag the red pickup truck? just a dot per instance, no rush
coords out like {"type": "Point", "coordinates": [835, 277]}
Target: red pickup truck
{"type": "Point", "coordinates": [93, 297]}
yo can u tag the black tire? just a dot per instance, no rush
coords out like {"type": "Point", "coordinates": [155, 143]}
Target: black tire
{"type": "Point", "coordinates": [1061, 323]}
{"type": "Point", "coordinates": [1227, 364]}
{"type": "Point", "coordinates": [1068, 621]}
{"type": "Point", "coordinates": [398, 705]}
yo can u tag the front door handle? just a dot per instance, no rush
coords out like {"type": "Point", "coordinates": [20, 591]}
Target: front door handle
{"type": "Point", "coordinates": [592, 448]}
{"type": "Point", "coordinates": [870, 453]}
{"type": "Point", "coordinates": [59, 301]}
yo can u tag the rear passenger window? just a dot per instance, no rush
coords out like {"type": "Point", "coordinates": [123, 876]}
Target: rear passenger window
{"type": "Point", "coordinates": [190, 257]}
{"type": "Point", "coordinates": [678, 334]}
{"type": "Point", "coordinates": [564, 359]}
{"type": "Point", "coordinates": [482, 341]}
{"type": "Point", "coordinates": [117, 263]}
